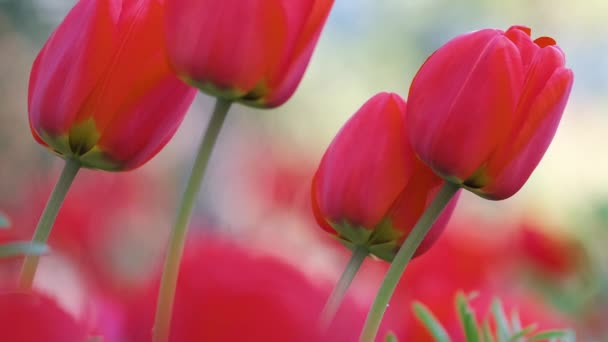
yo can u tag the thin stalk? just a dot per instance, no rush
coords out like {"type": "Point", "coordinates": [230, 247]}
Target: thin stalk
{"type": "Point", "coordinates": [422, 227]}
{"type": "Point", "coordinates": [175, 249]}
{"type": "Point", "coordinates": [45, 224]}
{"type": "Point", "coordinates": [339, 292]}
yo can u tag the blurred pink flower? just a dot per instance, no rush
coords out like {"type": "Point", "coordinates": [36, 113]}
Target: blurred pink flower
{"type": "Point", "coordinates": [32, 317]}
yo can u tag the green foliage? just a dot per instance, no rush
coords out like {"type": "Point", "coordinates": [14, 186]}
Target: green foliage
{"type": "Point", "coordinates": [505, 330]}
{"type": "Point", "coordinates": [391, 337]}
{"type": "Point", "coordinates": [430, 322]}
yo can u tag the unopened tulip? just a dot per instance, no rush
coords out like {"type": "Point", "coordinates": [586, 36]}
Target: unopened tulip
{"type": "Point", "coordinates": [101, 90]}
{"type": "Point", "coordinates": [251, 51]}
{"type": "Point", "coordinates": [485, 106]}
{"type": "Point", "coordinates": [370, 189]}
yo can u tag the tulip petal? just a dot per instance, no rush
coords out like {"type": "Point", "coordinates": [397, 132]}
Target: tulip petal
{"type": "Point", "coordinates": [70, 65]}
{"type": "Point", "coordinates": [122, 84]}
{"type": "Point", "coordinates": [229, 43]}
{"type": "Point", "coordinates": [527, 48]}
{"type": "Point", "coordinates": [316, 209]}
{"type": "Point", "coordinates": [131, 140]}
{"type": "Point", "coordinates": [533, 138]}
{"type": "Point", "coordinates": [461, 101]}
{"type": "Point", "coordinates": [366, 166]}
{"type": "Point", "coordinates": [542, 69]}
{"type": "Point", "coordinates": [413, 201]}
{"type": "Point", "coordinates": [284, 81]}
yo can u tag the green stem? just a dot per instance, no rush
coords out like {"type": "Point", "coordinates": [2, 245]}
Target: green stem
{"type": "Point", "coordinates": [337, 295]}
{"type": "Point", "coordinates": [422, 227]}
{"type": "Point", "coordinates": [175, 249]}
{"type": "Point", "coordinates": [43, 229]}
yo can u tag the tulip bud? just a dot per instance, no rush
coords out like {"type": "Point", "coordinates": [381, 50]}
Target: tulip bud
{"type": "Point", "coordinates": [370, 189]}
{"type": "Point", "coordinates": [484, 108]}
{"type": "Point", "coordinates": [251, 51]}
{"type": "Point", "coordinates": [101, 90]}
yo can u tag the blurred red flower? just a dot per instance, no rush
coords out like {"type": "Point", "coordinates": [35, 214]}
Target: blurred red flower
{"type": "Point", "coordinates": [32, 317]}
{"type": "Point", "coordinates": [103, 214]}
{"type": "Point", "coordinates": [226, 293]}
{"type": "Point", "coordinates": [551, 254]}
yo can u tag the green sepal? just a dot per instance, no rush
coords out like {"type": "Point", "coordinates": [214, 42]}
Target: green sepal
{"type": "Point", "coordinates": [97, 159]}
{"type": "Point", "coordinates": [385, 251]}
{"type": "Point", "coordinates": [253, 98]}
{"type": "Point", "coordinates": [382, 241]}
{"type": "Point", "coordinates": [93, 158]}
{"type": "Point", "coordinates": [352, 234]}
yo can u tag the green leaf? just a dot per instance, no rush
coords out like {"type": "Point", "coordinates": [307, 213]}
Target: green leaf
{"type": "Point", "coordinates": [515, 321]}
{"type": "Point", "coordinates": [552, 334]}
{"type": "Point", "coordinates": [467, 318]}
{"type": "Point", "coordinates": [430, 322]}
{"type": "Point", "coordinates": [4, 221]}
{"type": "Point", "coordinates": [487, 331]}
{"type": "Point", "coordinates": [503, 330]}
{"type": "Point", "coordinates": [523, 333]}
{"type": "Point", "coordinates": [13, 249]}
{"type": "Point", "coordinates": [391, 337]}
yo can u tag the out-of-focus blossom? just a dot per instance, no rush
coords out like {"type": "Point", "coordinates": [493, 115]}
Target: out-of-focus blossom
{"type": "Point", "coordinates": [550, 254]}
{"type": "Point", "coordinates": [251, 51]}
{"type": "Point", "coordinates": [103, 216]}
{"type": "Point", "coordinates": [370, 189]}
{"type": "Point", "coordinates": [484, 107]}
{"type": "Point", "coordinates": [226, 293]}
{"type": "Point", "coordinates": [101, 90]}
{"type": "Point", "coordinates": [32, 317]}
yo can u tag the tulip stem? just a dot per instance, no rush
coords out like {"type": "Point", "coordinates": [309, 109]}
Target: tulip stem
{"type": "Point", "coordinates": [337, 295]}
{"type": "Point", "coordinates": [45, 224]}
{"type": "Point", "coordinates": [175, 249]}
{"type": "Point", "coordinates": [422, 227]}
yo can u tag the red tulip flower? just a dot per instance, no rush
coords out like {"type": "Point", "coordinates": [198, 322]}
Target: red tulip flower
{"type": "Point", "coordinates": [484, 108]}
{"type": "Point", "coordinates": [251, 51]}
{"type": "Point", "coordinates": [31, 317]}
{"type": "Point", "coordinates": [370, 189]}
{"type": "Point", "coordinates": [101, 90]}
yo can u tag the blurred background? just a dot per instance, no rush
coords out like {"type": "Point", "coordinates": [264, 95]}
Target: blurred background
{"type": "Point", "coordinates": [544, 247]}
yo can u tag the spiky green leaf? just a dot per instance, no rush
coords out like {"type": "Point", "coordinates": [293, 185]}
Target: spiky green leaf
{"type": "Point", "coordinates": [430, 322]}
